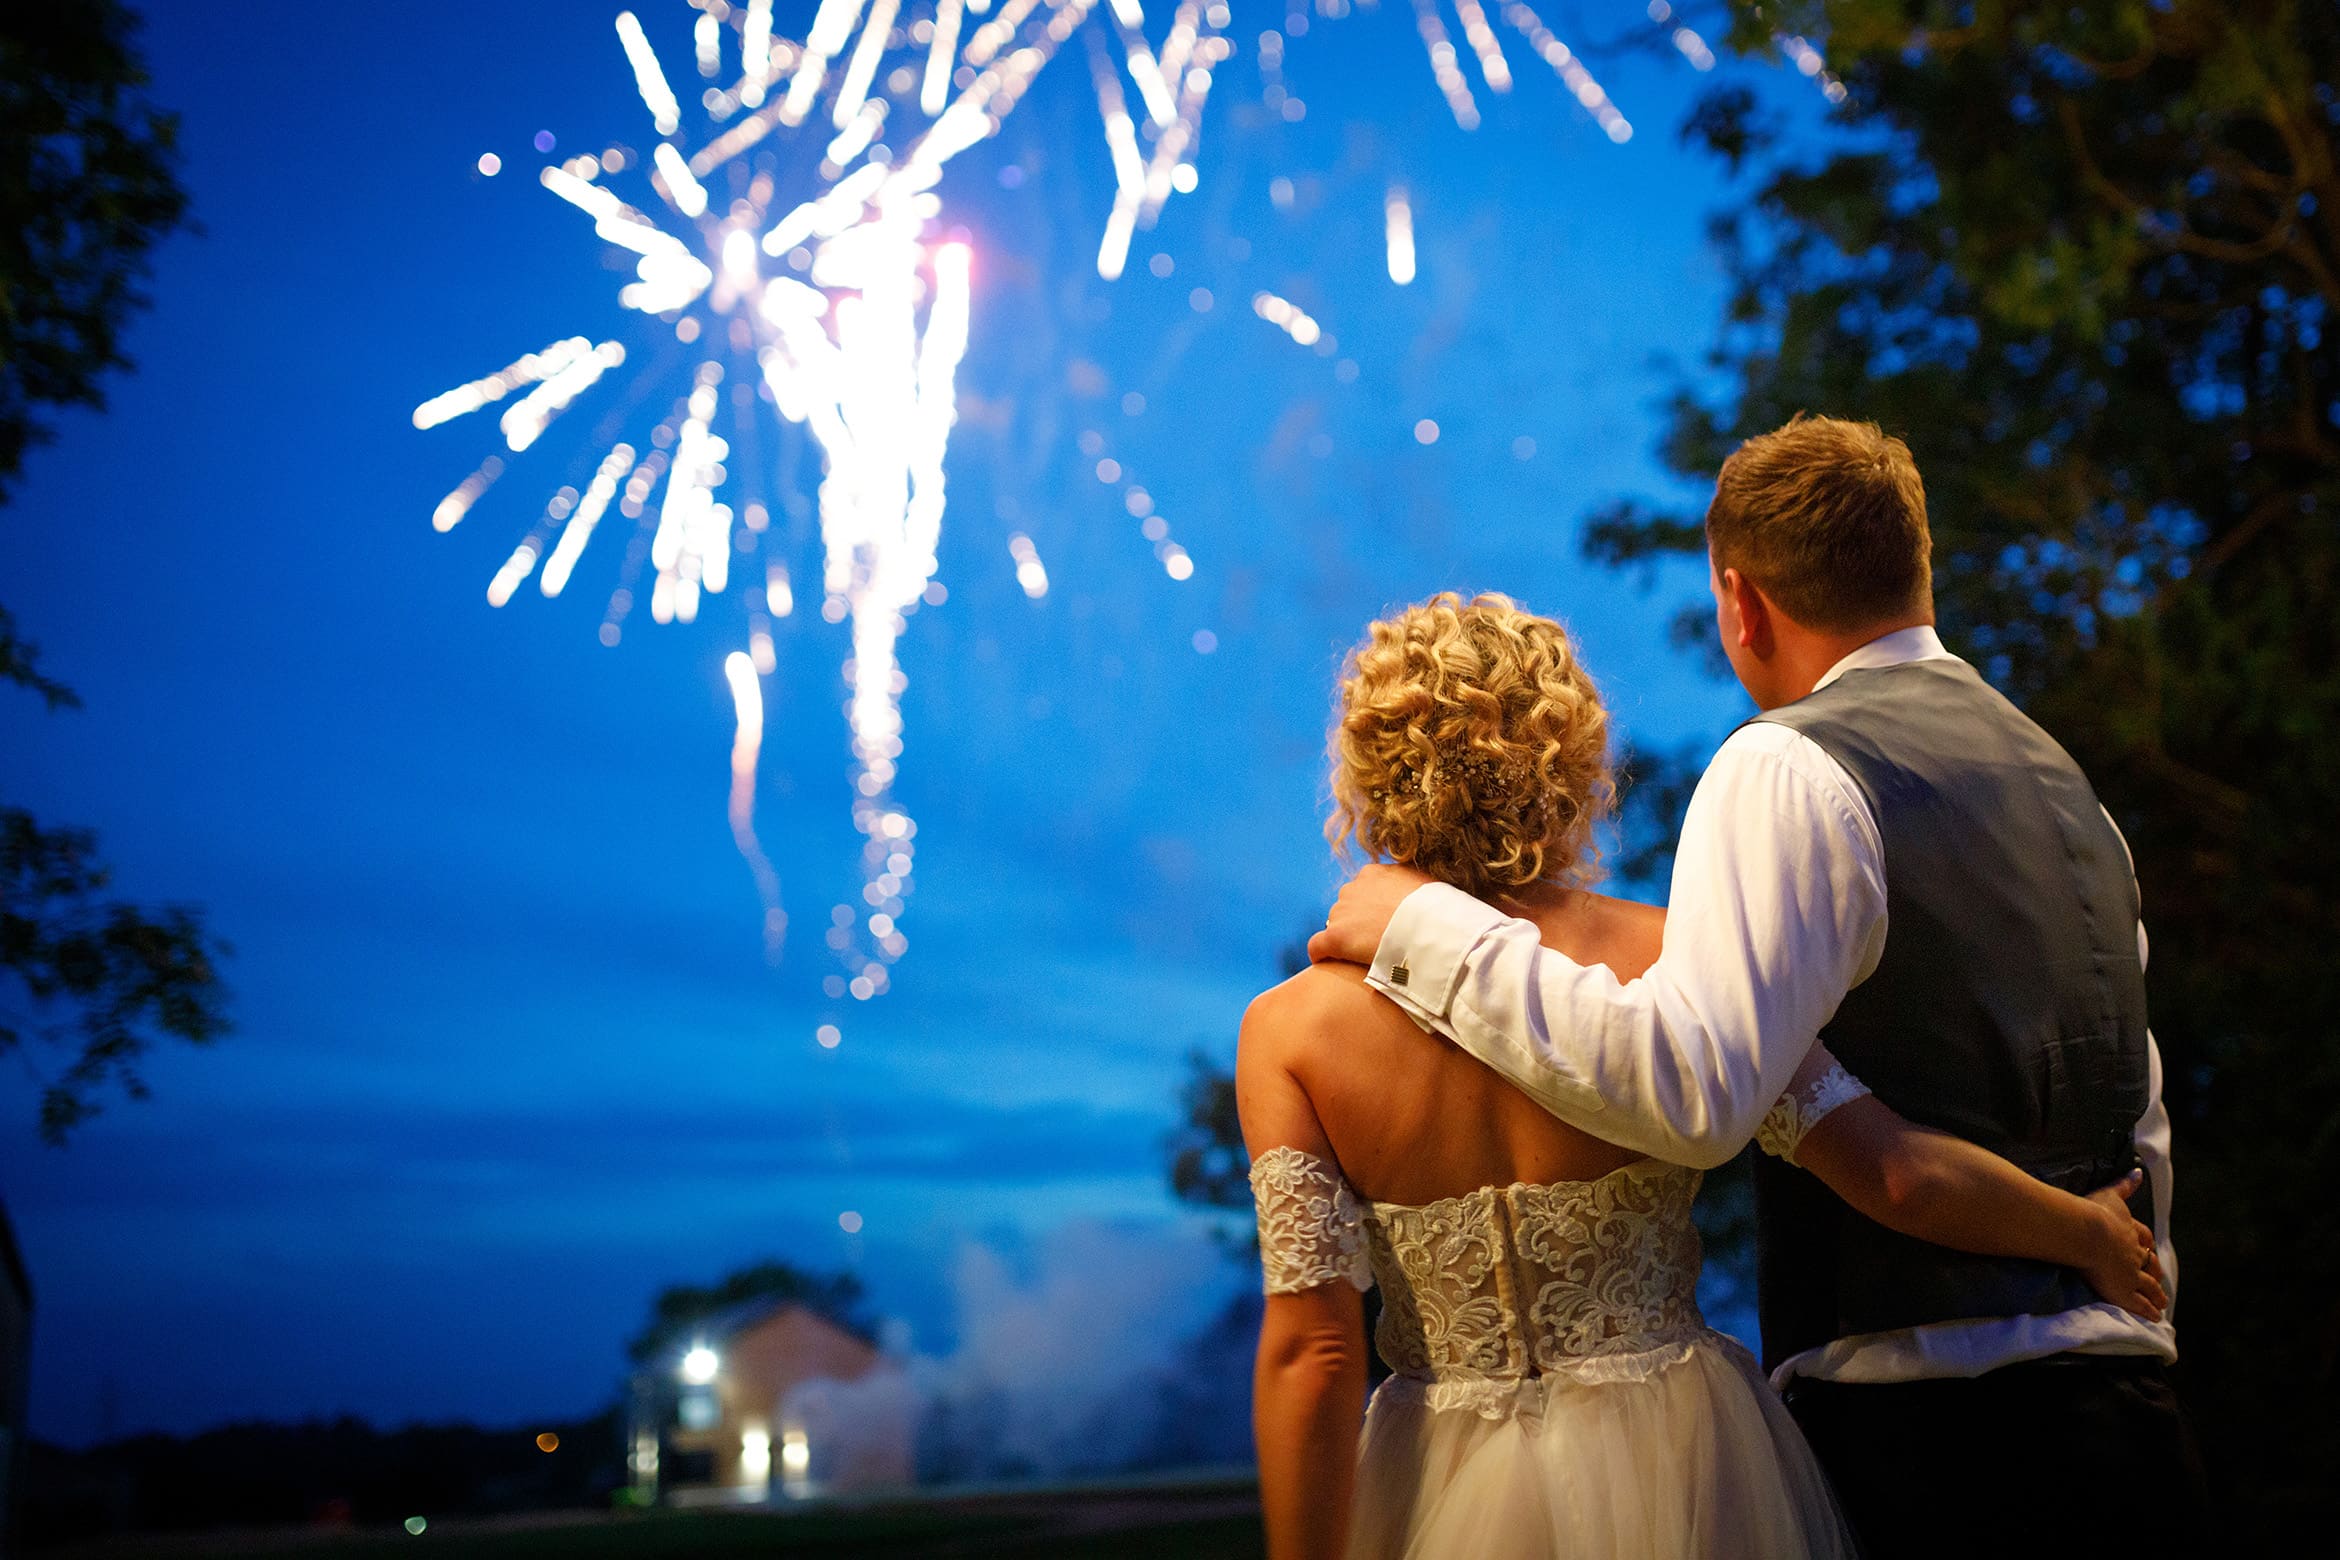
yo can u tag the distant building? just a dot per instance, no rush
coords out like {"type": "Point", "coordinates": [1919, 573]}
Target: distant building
{"type": "Point", "coordinates": [16, 1309]}
{"type": "Point", "coordinates": [770, 1400]}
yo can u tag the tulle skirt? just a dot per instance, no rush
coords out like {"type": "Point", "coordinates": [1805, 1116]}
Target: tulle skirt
{"type": "Point", "coordinates": [1682, 1453]}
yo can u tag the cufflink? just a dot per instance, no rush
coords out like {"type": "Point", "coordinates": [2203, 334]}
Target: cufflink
{"type": "Point", "coordinates": [1399, 974]}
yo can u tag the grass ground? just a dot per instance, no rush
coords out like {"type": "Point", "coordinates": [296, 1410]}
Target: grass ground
{"type": "Point", "coordinates": [1216, 1519]}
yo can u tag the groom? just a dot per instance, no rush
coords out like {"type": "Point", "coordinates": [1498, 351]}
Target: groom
{"type": "Point", "coordinates": [1893, 860]}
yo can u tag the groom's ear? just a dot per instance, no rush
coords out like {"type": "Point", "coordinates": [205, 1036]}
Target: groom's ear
{"type": "Point", "coordinates": [1752, 613]}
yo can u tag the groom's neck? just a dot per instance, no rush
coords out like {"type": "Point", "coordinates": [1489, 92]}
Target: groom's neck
{"type": "Point", "coordinates": [1801, 656]}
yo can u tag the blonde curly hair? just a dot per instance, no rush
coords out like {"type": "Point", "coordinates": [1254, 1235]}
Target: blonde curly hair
{"type": "Point", "coordinates": [1470, 743]}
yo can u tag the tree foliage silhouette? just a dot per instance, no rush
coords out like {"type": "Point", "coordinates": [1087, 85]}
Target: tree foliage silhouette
{"type": "Point", "coordinates": [88, 186]}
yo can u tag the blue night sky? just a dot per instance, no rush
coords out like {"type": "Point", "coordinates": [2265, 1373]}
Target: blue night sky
{"type": "Point", "coordinates": [508, 1058]}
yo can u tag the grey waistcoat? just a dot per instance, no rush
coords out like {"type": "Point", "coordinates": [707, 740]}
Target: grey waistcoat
{"type": "Point", "coordinates": [2008, 1006]}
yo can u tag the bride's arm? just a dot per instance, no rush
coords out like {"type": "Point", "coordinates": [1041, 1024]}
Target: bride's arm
{"type": "Point", "coordinates": [1941, 1188]}
{"type": "Point", "coordinates": [1308, 1391]}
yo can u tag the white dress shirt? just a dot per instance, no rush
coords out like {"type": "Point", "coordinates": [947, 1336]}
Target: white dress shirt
{"type": "Point", "coordinates": [1777, 910]}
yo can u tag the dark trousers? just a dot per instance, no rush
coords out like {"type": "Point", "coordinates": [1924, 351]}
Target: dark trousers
{"type": "Point", "coordinates": [2075, 1455]}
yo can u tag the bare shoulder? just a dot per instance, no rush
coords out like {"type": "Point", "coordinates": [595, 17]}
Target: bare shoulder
{"type": "Point", "coordinates": [1631, 931]}
{"type": "Point", "coordinates": [1285, 1032]}
{"type": "Point", "coordinates": [1634, 917]}
{"type": "Point", "coordinates": [1287, 1020]}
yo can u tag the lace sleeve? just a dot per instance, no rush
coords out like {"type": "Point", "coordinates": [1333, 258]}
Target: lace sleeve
{"type": "Point", "coordinates": [1820, 1086]}
{"type": "Point", "coordinates": [1311, 1230]}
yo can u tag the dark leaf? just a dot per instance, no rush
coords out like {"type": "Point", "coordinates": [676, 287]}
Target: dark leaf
{"type": "Point", "coordinates": [101, 979]}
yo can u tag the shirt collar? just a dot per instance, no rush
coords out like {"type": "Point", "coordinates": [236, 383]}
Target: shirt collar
{"type": "Point", "coordinates": [1903, 645]}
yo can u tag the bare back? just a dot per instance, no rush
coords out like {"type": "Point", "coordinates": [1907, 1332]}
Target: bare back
{"type": "Point", "coordinates": [1410, 1116]}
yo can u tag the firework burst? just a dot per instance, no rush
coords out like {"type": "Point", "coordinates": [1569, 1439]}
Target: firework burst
{"type": "Point", "coordinates": [795, 238]}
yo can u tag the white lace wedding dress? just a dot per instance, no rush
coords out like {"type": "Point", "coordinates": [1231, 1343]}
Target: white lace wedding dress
{"type": "Point", "coordinates": [1556, 1391]}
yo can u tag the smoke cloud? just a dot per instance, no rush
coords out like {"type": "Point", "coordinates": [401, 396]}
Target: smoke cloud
{"type": "Point", "coordinates": [1098, 1349]}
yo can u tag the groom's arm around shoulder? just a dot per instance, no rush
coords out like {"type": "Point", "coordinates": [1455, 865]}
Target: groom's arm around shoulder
{"type": "Point", "coordinates": [1777, 908]}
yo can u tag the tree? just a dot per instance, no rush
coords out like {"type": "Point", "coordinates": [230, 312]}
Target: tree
{"type": "Point", "coordinates": [1208, 1167]}
{"type": "Point", "coordinates": [88, 187]}
{"type": "Point", "coordinates": [681, 1307]}
{"type": "Point", "coordinates": [125, 972]}
{"type": "Point", "coordinates": [2086, 260]}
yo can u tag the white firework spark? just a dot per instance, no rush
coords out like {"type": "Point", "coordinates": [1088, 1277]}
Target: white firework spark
{"type": "Point", "coordinates": [850, 310]}
{"type": "Point", "coordinates": [823, 278]}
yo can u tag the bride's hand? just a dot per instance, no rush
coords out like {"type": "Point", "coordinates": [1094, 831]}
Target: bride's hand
{"type": "Point", "coordinates": [2124, 1266]}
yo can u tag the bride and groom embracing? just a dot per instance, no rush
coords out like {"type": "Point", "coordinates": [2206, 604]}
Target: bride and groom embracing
{"type": "Point", "coordinates": [1902, 955]}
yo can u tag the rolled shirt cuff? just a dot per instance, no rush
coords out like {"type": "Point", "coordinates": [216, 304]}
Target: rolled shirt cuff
{"type": "Point", "coordinates": [1420, 962]}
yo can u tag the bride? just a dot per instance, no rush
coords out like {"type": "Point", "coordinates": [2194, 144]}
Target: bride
{"type": "Point", "coordinates": [1556, 1391]}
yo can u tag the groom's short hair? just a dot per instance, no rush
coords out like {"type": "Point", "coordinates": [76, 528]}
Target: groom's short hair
{"type": "Point", "coordinates": [1827, 518]}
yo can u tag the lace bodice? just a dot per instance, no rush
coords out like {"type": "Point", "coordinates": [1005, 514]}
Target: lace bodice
{"type": "Point", "coordinates": [1488, 1293]}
